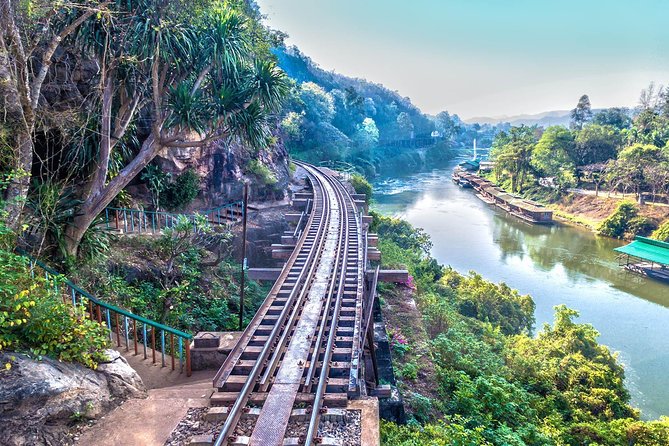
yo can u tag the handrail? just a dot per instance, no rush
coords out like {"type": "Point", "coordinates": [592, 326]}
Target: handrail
{"type": "Point", "coordinates": [94, 302]}
{"type": "Point", "coordinates": [139, 218]}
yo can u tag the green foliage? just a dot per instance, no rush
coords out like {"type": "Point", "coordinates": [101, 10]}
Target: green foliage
{"type": "Point", "coordinates": [551, 157]}
{"type": "Point", "coordinates": [497, 384]}
{"type": "Point", "coordinates": [361, 185]}
{"type": "Point", "coordinates": [33, 317]}
{"type": "Point", "coordinates": [262, 172]}
{"type": "Point", "coordinates": [662, 233]}
{"type": "Point", "coordinates": [488, 302]}
{"type": "Point", "coordinates": [449, 432]}
{"type": "Point", "coordinates": [180, 193]}
{"type": "Point", "coordinates": [157, 180]}
{"type": "Point", "coordinates": [618, 223]}
{"type": "Point", "coordinates": [512, 153]}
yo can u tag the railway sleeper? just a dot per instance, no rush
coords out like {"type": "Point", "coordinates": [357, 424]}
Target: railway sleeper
{"type": "Point", "coordinates": [227, 398]}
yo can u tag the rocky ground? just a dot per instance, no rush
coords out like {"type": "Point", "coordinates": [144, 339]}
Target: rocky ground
{"type": "Point", "coordinates": [347, 430]}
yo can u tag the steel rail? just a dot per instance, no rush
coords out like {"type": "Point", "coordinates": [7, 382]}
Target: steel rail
{"type": "Point", "coordinates": [321, 331]}
{"type": "Point", "coordinates": [314, 419]}
{"type": "Point", "coordinates": [235, 412]}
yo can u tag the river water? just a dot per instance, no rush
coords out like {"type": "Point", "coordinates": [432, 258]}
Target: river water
{"type": "Point", "coordinates": [554, 264]}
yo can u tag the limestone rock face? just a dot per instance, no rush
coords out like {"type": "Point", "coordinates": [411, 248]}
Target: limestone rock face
{"type": "Point", "coordinates": [40, 399]}
{"type": "Point", "coordinates": [221, 167]}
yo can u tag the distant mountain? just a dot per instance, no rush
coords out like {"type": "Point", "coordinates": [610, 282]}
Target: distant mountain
{"type": "Point", "coordinates": [545, 119]}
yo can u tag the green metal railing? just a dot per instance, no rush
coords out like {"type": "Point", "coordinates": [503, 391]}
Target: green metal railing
{"type": "Point", "coordinates": [139, 221]}
{"type": "Point", "coordinates": [134, 330]}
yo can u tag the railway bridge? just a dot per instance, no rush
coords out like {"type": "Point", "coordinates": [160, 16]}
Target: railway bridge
{"type": "Point", "coordinates": [309, 348]}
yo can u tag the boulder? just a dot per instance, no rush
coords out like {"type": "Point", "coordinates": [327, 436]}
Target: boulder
{"type": "Point", "coordinates": [41, 399]}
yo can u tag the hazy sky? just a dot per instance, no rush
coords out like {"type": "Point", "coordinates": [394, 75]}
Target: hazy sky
{"type": "Point", "coordinates": [487, 57]}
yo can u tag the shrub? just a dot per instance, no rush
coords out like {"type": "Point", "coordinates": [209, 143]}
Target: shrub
{"type": "Point", "coordinates": [264, 173]}
{"type": "Point", "coordinates": [182, 191]}
{"type": "Point", "coordinates": [617, 224]}
{"type": "Point", "coordinates": [662, 233]}
{"type": "Point", "coordinates": [33, 317]}
{"type": "Point", "coordinates": [361, 185]}
{"type": "Point", "coordinates": [640, 225]}
{"type": "Point", "coordinates": [409, 371]}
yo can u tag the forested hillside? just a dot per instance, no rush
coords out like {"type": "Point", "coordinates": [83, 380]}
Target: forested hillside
{"type": "Point", "coordinates": [330, 116]}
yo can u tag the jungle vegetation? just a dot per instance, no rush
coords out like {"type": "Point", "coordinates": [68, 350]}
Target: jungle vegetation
{"type": "Point", "coordinates": [474, 373]}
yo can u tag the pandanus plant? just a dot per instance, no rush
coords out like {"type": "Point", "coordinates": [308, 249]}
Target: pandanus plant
{"type": "Point", "coordinates": [187, 74]}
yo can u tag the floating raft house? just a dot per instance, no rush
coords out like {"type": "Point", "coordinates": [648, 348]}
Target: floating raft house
{"type": "Point", "coordinates": [647, 257]}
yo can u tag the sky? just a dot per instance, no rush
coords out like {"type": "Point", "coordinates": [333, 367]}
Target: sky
{"type": "Point", "coordinates": [487, 57]}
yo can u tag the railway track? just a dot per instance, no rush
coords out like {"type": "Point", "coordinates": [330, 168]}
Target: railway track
{"type": "Point", "coordinates": [299, 358]}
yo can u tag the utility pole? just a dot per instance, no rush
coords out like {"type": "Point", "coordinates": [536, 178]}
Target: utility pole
{"type": "Point", "coordinates": [245, 214]}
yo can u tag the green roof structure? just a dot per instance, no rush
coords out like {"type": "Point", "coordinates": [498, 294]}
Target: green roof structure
{"type": "Point", "coordinates": [647, 249]}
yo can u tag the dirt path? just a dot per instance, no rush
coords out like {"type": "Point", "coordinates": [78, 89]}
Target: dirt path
{"type": "Point", "coordinates": [148, 422]}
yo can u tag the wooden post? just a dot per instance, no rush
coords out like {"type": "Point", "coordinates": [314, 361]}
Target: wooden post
{"type": "Point", "coordinates": [243, 277]}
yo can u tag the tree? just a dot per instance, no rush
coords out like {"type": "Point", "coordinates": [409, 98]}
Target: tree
{"type": "Point", "coordinates": [30, 35]}
{"type": "Point", "coordinates": [638, 159]}
{"type": "Point", "coordinates": [368, 133]}
{"type": "Point", "coordinates": [512, 153]}
{"type": "Point", "coordinates": [191, 73]}
{"type": "Point", "coordinates": [551, 155]}
{"type": "Point", "coordinates": [618, 117]}
{"type": "Point", "coordinates": [405, 124]}
{"type": "Point", "coordinates": [596, 144]}
{"type": "Point", "coordinates": [447, 124]}
{"type": "Point", "coordinates": [582, 113]}
{"type": "Point", "coordinates": [318, 104]}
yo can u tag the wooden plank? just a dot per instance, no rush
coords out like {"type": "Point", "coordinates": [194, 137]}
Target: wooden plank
{"type": "Point", "coordinates": [391, 275]}
{"type": "Point", "coordinates": [293, 217]}
{"type": "Point", "coordinates": [373, 254]}
{"type": "Point", "coordinates": [264, 273]}
{"type": "Point", "coordinates": [281, 254]}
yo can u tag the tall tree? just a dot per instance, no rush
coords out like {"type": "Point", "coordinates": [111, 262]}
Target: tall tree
{"type": "Point", "coordinates": [551, 157]}
{"type": "Point", "coordinates": [596, 144]}
{"type": "Point", "coordinates": [512, 153]}
{"type": "Point", "coordinates": [582, 113]}
{"type": "Point", "coordinates": [30, 35]}
{"type": "Point", "coordinates": [192, 75]}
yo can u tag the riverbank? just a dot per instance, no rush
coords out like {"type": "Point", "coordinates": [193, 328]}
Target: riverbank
{"type": "Point", "coordinates": [490, 382]}
{"type": "Point", "coordinates": [555, 264]}
{"type": "Point", "coordinates": [589, 211]}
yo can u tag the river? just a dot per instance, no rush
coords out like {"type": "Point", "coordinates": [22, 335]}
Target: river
{"type": "Point", "coordinates": [557, 264]}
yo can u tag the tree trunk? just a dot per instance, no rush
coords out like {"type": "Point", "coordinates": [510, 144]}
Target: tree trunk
{"type": "Point", "coordinates": [98, 199]}
{"type": "Point", "coordinates": [17, 192]}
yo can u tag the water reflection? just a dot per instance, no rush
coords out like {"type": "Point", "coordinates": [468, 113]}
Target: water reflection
{"type": "Point", "coordinates": [555, 264]}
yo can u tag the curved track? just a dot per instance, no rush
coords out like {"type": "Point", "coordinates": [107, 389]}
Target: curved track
{"type": "Point", "coordinates": [301, 351]}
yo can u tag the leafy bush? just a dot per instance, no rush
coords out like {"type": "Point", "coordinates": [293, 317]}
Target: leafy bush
{"type": "Point", "coordinates": [640, 225]}
{"type": "Point", "coordinates": [662, 233]}
{"type": "Point", "coordinates": [262, 172]}
{"type": "Point", "coordinates": [181, 192]}
{"type": "Point", "coordinates": [33, 317]}
{"type": "Point", "coordinates": [488, 302]}
{"type": "Point", "coordinates": [617, 224]}
{"type": "Point", "coordinates": [361, 185]}
{"type": "Point", "coordinates": [448, 432]}
{"type": "Point", "coordinates": [409, 371]}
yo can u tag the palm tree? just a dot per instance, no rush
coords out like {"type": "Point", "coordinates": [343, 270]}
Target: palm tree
{"type": "Point", "coordinates": [192, 75]}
